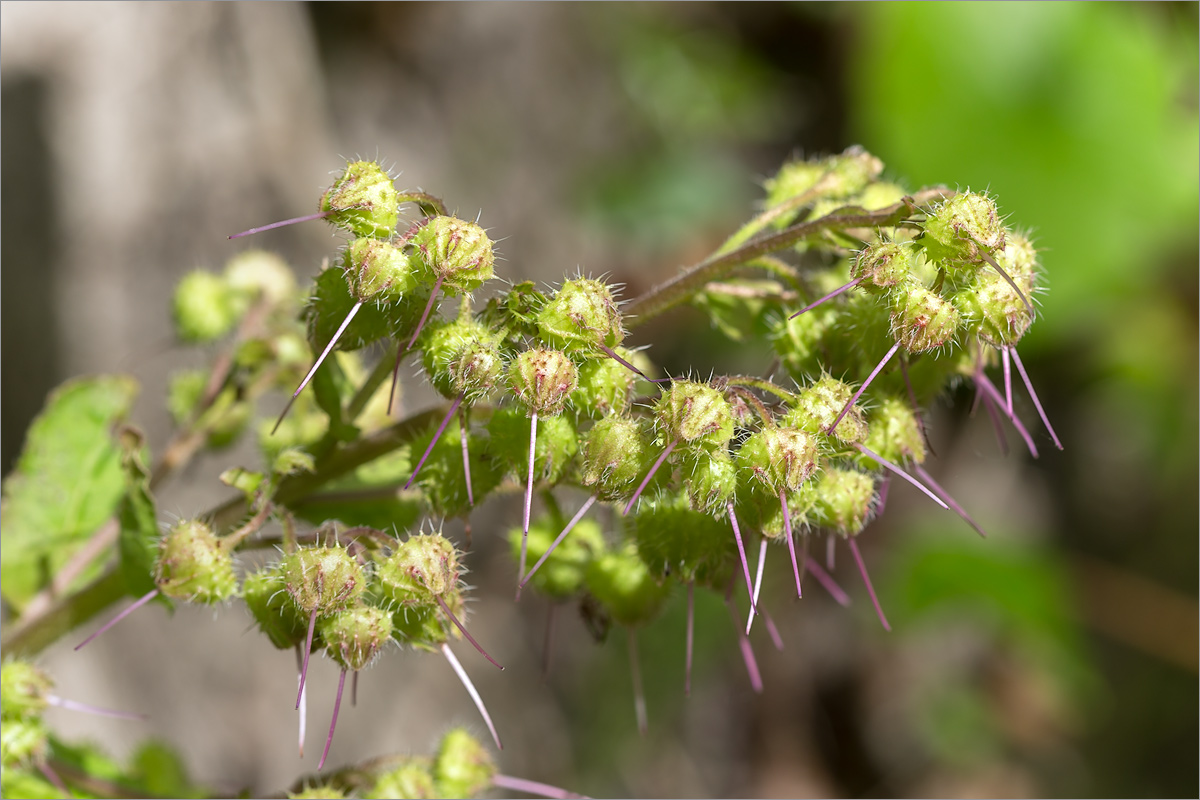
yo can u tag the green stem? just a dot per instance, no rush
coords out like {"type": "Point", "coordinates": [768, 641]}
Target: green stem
{"type": "Point", "coordinates": [30, 636]}
{"type": "Point", "coordinates": [687, 283]}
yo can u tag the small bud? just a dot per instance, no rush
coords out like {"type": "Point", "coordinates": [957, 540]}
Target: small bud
{"type": "Point", "coordinates": [456, 252]}
{"type": "Point", "coordinates": [557, 443]}
{"type": "Point", "coordinates": [420, 569]}
{"type": "Point", "coordinates": [694, 414]}
{"type": "Point", "coordinates": [354, 636]}
{"type": "Point", "coordinates": [613, 451]}
{"type": "Point", "coordinates": [882, 265]}
{"type": "Point", "coordinates": [463, 767]}
{"type": "Point", "coordinates": [23, 742]}
{"type": "Point", "coordinates": [605, 386]}
{"type": "Point", "coordinates": [328, 306]}
{"type": "Point", "coordinates": [543, 380]}
{"type": "Point", "coordinates": [363, 200]}
{"type": "Point", "coordinates": [781, 459]}
{"type": "Point", "coordinates": [204, 308]}
{"type": "Point", "coordinates": [673, 539]}
{"type": "Point", "coordinates": [460, 358]}
{"type": "Point", "coordinates": [816, 408]}
{"type": "Point", "coordinates": [322, 579]}
{"type": "Point", "coordinates": [895, 433]}
{"type": "Point", "coordinates": [845, 500]}
{"type": "Point", "coordinates": [922, 320]}
{"type": "Point", "coordinates": [711, 482]}
{"type": "Point", "coordinates": [958, 227]}
{"type": "Point", "coordinates": [377, 269]}
{"type": "Point", "coordinates": [254, 273]}
{"type": "Point", "coordinates": [412, 779]}
{"type": "Point", "coordinates": [835, 176]}
{"type": "Point", "coordinates": [23, 690]}
{"type": "Point", "coordinates": [621, 581]}
{"type": "Point", "coordinates": [192, 565]}
{"type": "Point", "coordinates": [581, 316]}
{"type": "Point", "coordinates": [997, 312]}
{"type": "Point", "coordinates": [880, 194]}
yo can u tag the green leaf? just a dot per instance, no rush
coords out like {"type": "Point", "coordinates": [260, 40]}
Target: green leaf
{"type": "Point", "coordinates": [67, 482]}
{"type": "Point", "coordinates": [161, 772]}
{"type": "Point", "coordinates": [138, 539]}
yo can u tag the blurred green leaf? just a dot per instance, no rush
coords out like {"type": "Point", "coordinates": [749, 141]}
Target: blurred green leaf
{"type": "Point", "coordinates": [138, 538]}
{"type": "Point", "coordinates": [68, 481]}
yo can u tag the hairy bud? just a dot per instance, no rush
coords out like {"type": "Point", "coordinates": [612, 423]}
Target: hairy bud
{"type": "Point", "coordinates": [695, 414]}
{"type": "Point", "coordinates": [363, 200]}
{"type": "Point", "coordinates": [354, 636]}
{"type": "Point", "coordinates": [582, 315]}
{"type": "Point", "coordinates": [192, 565]}
{"type": "Point", "coordinates": [543, 380]}
{"type": "Point", "coordinates": [322, 579]}
{"type": "Point", "coordinates": [456, 252]}
{"type": "Point", "coordinates": [958, 227]}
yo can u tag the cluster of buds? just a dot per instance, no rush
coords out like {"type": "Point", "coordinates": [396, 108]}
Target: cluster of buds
{"type": "Point", "coordinates": [541, 391]}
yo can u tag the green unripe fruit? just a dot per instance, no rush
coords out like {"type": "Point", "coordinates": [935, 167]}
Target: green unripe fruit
{"type": "Point", "coordinates": [421, 569]}
{"type": "Point", "coordinates": [816, 408]}
{"type": "Point", "coordinates": [477, 371]}
{"type": "Point", "coordinates": [835, 176]}
{"type": "Point", "coordinates": [780, 459]}
{"type": "Point", "coordinates": [895, 433]}
{"type": "Point", "coordinates": [354, 636]}
{"type": "Point", "coordinates": [23, 690]}
{"type": "Point", "coordinates": [996, 311]}
{"type": "Point", "coordinates": [254, 273]}
{"type": "Point", "coordinates": [265, 594]}
{"type": "Point", "coordinates": [958, 227]}
{"type": "Point", "coordinates": [623, 584]}
{"type": "Point", "coordinates": [457, 252]}
{"type": "Point", "coordinates": [377, 270]}
{"type": "Point", "coordinates": [461, 358]}
{"type": "Point", "coordinates": [845, 500]}
{"type": "Point", "coordinates": [322, 579]}
{"type": "Point", "coordinates": [412, 780]}
{"type": "Point", "coordinates": [204, 308]}
{"type": "Point", "coordinates": [543, 380]}
{"type": "Point", "coordinates": [327, 308]}
{"type": "Point", "coordinates": [562, 575]}
{"type": "Point", "coordinates": [192, 565]}
{"type": "Point", "coordinates": [882, 265]}
{"type": "Point", "coordinates": [672, 539]}
{"type": "Point", "coordinates": [582, 316]}
{"type": "Point", "coordinates": [463, 767]}
{"type": "Point", "coordinates": [711, 482]}
{"type": "Point", "coordinates": [922, 320]}
{"type": "Point", "coordinates": [695, 414]}
{"type": "Point", "coordinates": [555, 448]}
{"type": "Point", "coordinates": [613, 451]}
{"type": "Point", "coordinates": [363, 200]}
{"type": "Point", "coordinates": [23, 742]}
{"type": "Point", "coordinates": [604, 387]}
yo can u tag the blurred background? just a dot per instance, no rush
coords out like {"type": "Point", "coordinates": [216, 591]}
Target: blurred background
{"type": "Point", "coordinates": [1058, 657]}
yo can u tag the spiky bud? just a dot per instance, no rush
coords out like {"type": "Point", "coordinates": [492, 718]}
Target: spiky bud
{"type": "Point", "coordinates": [604, 387]}
{"type": "Point", "coordinates": [412, 779]}
{"type": "Point", "coordinates": [780, 459]}
{"type": "Point", "coordinates": [711, 482]}
{"type": "Point", "coordinates": [581, 316]}
{"type": "Point", "coordinates": [463, 766]}
{"type": "Point", "coordinates": [363, 200]}
{"type": "Point", "coordinates": [420, 569]}
{"type": "Point", "coordinates": [23, 690]}
{"type": "Point", "coordinates": [322, 579]}
{"type": "Point", "coordinates": [958, 227]}
{"type": "Point", "coordinates": [354, 636]}
{"type": "Point", "coordinates": [204, 308]}
{"type": "Point", "coordinates": [845, 500]}
{"type": "Point", "coordinates": [266, 596]}
{"type": "Point", "coordinates": [674, 539]}
{"type": "Point", "coordinates": [895, 433]}
{"type": "Point", "coordinates": [192, 565]}
{"type": "Point", "coordinates": [377, 270]}
{"type": "Point", "coordinates": [922, 320]}
{"type": "Point", "coordinates": [882, 265]}
{"type": "Point", "coordinates": [695, 414]}
{"type": "Point", "coordinates": [613, 451]}
{"type": "Point", "coordinates": [543, 380]}
{"type": "Point", "coordinates": [816, 408]}
{"type": "Point", "coordinates": [457, 252]}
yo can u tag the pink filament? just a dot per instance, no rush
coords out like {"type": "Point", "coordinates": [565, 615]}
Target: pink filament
{"type": "Point", "coordinates": [689, 640]}
{"type": "Point", "coordinates": [787, 526]}
{"type": "Point", "coordinates": [436, 435]}
{"type": "Point", "coordinates": [523, 786]}
{"type": "Point", "coordinates": [141, 601]}
{"type": "Point", "coordinates": [863, 388]}
{"type": "Point", "coordinates": [962, 512]}
{"type": "Point", "coordinates": [737, 535]}
{"type": "Point", "coordinates": [1033, 396]}
{"type": "Point", "coordinates": [470, 687]}
{"type": "Point", "coordinates": [533, 418]}
{"type": "Point", "coordinates": [639, 693]}
{"type": "Point", "coordinates": [829, 296]}
{"type": "Point", "coordinates": [889, 465]}
{"type": "Point", "coordinates": [73, 705]}
{"type": "Point", "coordinates": [312, 623]}
{"type": "Point", "coordinates": [320, 360]}
{"type": "Point", "coordinates": [337, 704]}
{"type": "Point", "coordinates": [570, 525]}
{"type": "Point", "coordinates": [830, 585]}
{"type": "Point", "coordinates": [459, 625]}
{"type": "Point", "coordinates": [649, 475]}
{"type": "Point", "coordinates": [762, 560]}
{"type": "Point", "coordinates": [862, 568]}
{"type": "Point", "coordinates": [274, 225]}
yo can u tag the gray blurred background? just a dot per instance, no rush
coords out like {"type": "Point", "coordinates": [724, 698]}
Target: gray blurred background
{"type": "Point", "coordinates": [1057, 658]}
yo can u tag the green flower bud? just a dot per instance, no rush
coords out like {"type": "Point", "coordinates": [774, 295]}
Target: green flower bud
{"type": "Point", "coordinates": [327, 308]}
{"type": "Point", "coordinates": [184, 391]}
{"type": "Point", "coordinates": [836, 176]}
{"type": "Point", "coordinates": [959, 226]}
{"type": "Point", "coordinates": [895, 433]}
{"type": "Point", "coordinates": [557, 443]}
{"type": "Point", "coordinates": [882, 265]}
{"type": "Point", "coordinates": [543, 380]}
{"type": "Point", "coordinates": [818, 406]}
{"type": "Point", "coordinates": [376, 269]}
{"type": "Point", "coordinates": [711, 482]}
{"type": "Point", "coordinates": [363, 200]}
{"type": "Point", "coordinates": [192, 565]}
{"type": "Point", "coordinates": [265, 594]}
{"type": "Point", "coordinates": [420, 569]}
{"type": "Point", "coordinates": [562, 575]}
{"type": "Point", "coordinates": [23, 690]}
{"type": "Point", "coordinates": [605, 386]}
{"type": "Point", "coordinates": [461, 358]}
{"type": "Point", "coordinates": [623, 584]}
{"type": "Point", "coordinates": [922, 320]}
{"type": "Point", "coordinates": [613, 452]}
{"type": "Point", "coordinates": [880, 194]}
{"type": "Point", "coordinates": [324, 579]}
{"type": "Point", "coordinates": [457, 252]}
{"type": "Point", "coordinates": [674, 540]}
{"type": "Point", "coordinates": [353, 637]}
{"type": "Point", "coordinates": [582, 316]}
{"type": "Point", "coordinates": [412, 780]}
{"type": "Point", "coordinates": [463, 767]}
{"type": "Point", "coordinates": [23, 742]}
{"type": "Point", "coordinates": [254, 273]}
{"type": "Point", "coordinates": [780, 459]}
{"type": "Point", "coordinates": [695, 414]}
{"type": "Point", "coordinates": [997, 312]}
{"type": "Point", "coordinates": [204, 308]}
{"type": "Point", "coordinates": [845, 500]}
